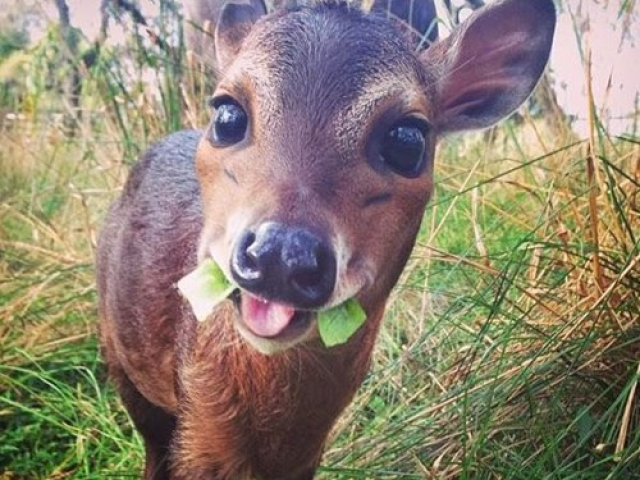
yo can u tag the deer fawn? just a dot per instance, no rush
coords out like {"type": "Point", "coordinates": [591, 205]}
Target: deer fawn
{"type": "Point", "coordinates": [307, 189]}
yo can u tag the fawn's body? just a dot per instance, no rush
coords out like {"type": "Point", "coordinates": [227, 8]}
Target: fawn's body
{"type": "Point", "coordinates": [242, 411]}
{"type": "Point", "coordinates": [307, 189]}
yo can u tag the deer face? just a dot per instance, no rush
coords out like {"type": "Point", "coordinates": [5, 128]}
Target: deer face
{"type": "Point", "coordinates": [318, 162]}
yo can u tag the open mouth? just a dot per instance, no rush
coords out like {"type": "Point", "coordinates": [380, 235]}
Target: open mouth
{"type": "Point", "coordinates": [268, 319]}
{"type": "Point", "coordinates": [269, 325]}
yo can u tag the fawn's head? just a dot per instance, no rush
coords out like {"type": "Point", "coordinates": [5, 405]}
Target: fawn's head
{"type": "Point", "coordinates": [318, 162]}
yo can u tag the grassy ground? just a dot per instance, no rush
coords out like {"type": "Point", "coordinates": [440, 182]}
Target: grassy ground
{"type": "Point", "coordinates": [510, 348]}
{"type": "Point", "coordinates": [502, 355]}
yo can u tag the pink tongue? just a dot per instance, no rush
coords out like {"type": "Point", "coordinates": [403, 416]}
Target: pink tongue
{"type": "Point", "coordinates": [264, 318]}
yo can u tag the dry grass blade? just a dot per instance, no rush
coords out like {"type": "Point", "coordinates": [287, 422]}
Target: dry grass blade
{"type": "Point", "coordinates": [626, 417]}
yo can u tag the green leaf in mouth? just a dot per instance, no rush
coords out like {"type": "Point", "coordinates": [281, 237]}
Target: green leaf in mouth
{"type": "Point", "coordinates": [205, 287]}
{"type": "Point", "coordinates": [338, 324]}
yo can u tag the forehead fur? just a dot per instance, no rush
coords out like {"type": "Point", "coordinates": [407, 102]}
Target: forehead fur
{"type": "Point", "coordinates": [327, 57]}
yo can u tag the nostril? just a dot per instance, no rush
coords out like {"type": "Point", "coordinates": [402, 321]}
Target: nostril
{"type": "Point", "coordinates": [244, 263]}
{"type": "Point", "coordinates": [314, 282]}
{"type": "Point", "coordinates": [251, 254]}
{"type": "Point", "coordinates": [250, 269]}
{"type": "Point", "coordinates": [307, 280]}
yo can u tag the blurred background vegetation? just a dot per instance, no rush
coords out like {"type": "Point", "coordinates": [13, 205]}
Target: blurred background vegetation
{"type": "Point", "coordinates": [511, 348]}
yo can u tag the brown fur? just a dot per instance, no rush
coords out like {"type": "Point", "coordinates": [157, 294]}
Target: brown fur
{"type": "Point", "coordinates": [289, 402]}
{"type": "Point", "coordinates": [321, 86]}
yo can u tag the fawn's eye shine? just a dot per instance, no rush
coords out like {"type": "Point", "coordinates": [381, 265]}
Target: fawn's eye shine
{"type": "Point", "coordinates": [403, 147]}
{"type": "Point", "coordinates": [230, 122]}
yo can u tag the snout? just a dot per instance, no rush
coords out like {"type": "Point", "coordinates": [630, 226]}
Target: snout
{"type": "Point", "coordinates": [290, 265]}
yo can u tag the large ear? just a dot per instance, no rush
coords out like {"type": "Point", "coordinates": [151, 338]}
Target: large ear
{"type": "Point", "coordinates": [492, 63]}
{"type": "Point", "coordinates": [420, 15]}
{"type": "Point", "coordinates": [234, 25]}
{"type": "Point", "coordinates": [216, 26]}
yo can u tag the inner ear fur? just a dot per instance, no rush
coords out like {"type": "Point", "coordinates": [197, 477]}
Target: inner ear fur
{"type": "Point", "coordinates": [490, 65]}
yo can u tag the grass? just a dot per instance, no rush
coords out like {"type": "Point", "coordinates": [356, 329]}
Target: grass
{"type": "Point", "coordinates": [502, 361]}
{"type": "Point", "coordinates": [511, 344]}
{"type": "Point", "coordinates": [62, 418]}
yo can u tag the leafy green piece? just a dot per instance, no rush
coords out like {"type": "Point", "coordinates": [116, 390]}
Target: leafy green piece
{"type": "Point", "coordinates": [205, 287]}
{"type": "Point", "coordinates": [338, 324]}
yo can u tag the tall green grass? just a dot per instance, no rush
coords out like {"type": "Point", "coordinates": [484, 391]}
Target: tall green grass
{"type": "Point", "coordinates": [510, 348]}
{"type": "Point", "coordinates": [502, 355]}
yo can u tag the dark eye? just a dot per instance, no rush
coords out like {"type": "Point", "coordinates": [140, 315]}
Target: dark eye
{"type": "Point", "coordinates": [230, 121]}
{"type": "Point", "coordinates": [403, 147]}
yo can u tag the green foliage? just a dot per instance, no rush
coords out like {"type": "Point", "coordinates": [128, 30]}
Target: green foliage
{"type": "Point", "coordinates": [59, 399]}
{"type": "Point", "coordinates": [12, 41]}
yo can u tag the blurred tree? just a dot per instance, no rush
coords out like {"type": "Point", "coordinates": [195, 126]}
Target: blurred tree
{"type": "Point", "coordinates": [79, 62]}
{"type": "Point", "coordinates": [12, 40]}
{"type": "Point", "coordinates": [15, 18]}
{"type": "Point", "coordinates": [72, 86]}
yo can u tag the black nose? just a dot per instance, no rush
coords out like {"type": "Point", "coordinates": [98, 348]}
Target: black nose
{"type": "Point", "coordinates": [291, 265]}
